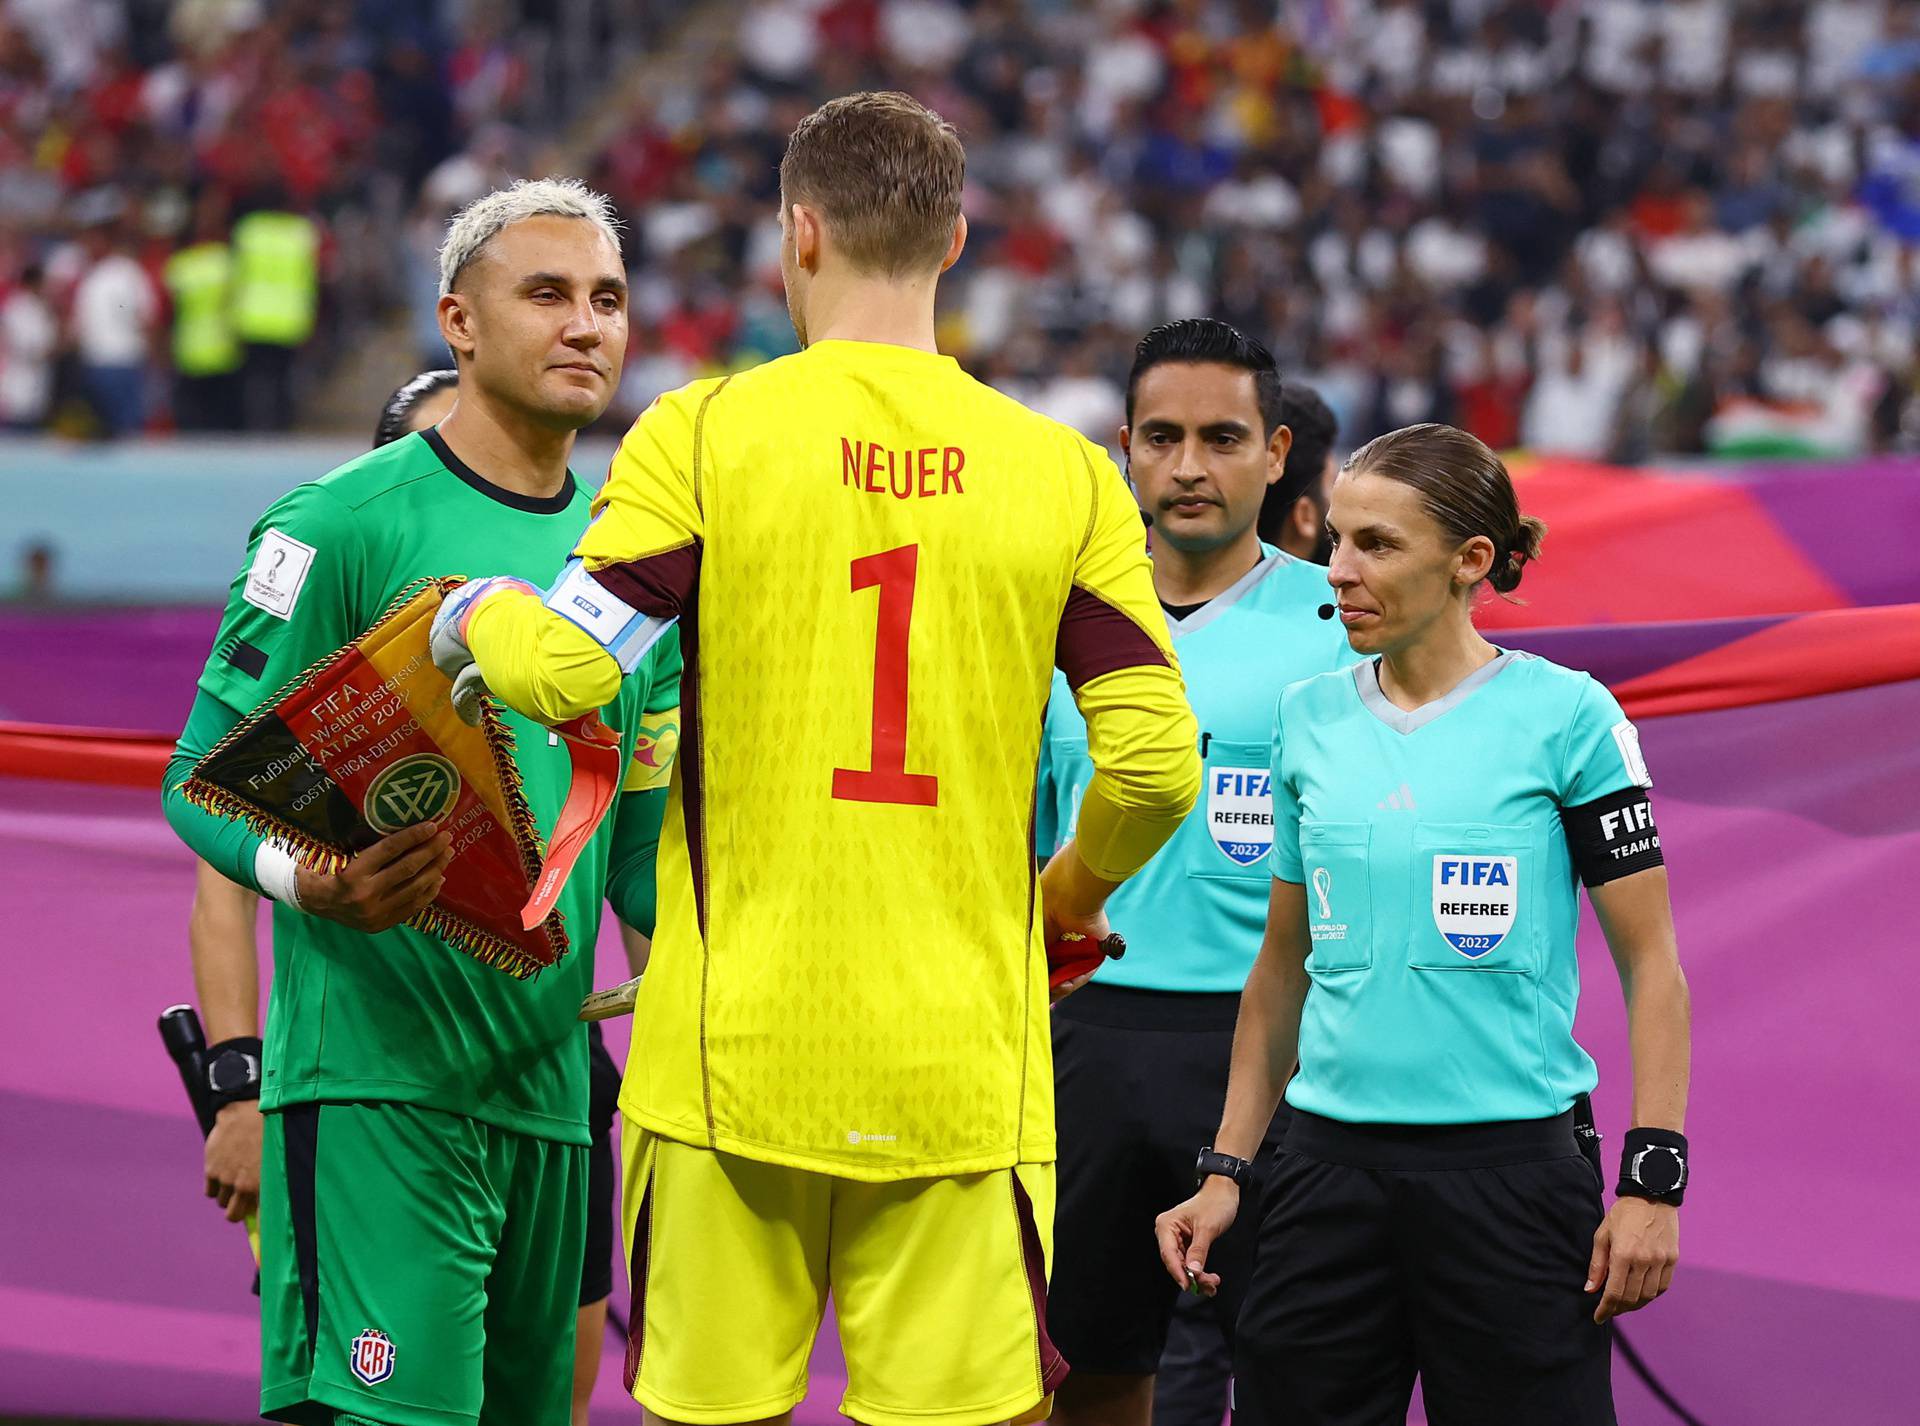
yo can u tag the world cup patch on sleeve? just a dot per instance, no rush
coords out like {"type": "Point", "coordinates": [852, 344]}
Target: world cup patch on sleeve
{"type": "Point", "coordinates": [1626, 738]}
{"type": "Point", "coordinates": [1474, 899]}
{"type": "Point", "coordinates": [1240, 812]}
{"type": "Point", "coordinates": [279, 568]}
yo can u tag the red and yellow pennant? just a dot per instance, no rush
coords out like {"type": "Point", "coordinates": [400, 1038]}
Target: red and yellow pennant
{"type": "Point", "coordinates": [367, 742]}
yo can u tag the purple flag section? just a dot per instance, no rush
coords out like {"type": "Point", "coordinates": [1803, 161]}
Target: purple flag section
{"type": "Point", "coordinates": [1646, 544]}
{"type": "Point", "coordinates": [1858, 522]}
{"type": "Point", "coordinates": [117, 668]}
{"type": "Point", "coordinates": [1792, 833]}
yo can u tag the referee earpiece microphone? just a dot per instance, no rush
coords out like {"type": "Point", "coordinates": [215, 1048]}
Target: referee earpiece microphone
{"type": "Point", "coordinates": [1325, 611]}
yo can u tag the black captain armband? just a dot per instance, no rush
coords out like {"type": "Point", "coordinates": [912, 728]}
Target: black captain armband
{"type": "Point", "coordinates": [1612, 836]}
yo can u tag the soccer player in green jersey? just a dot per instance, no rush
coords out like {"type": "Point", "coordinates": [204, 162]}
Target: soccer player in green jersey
{"type": "Point", "coordinates": [226, 962]}
{"type": "Point", "coordinates": [424, 1170]}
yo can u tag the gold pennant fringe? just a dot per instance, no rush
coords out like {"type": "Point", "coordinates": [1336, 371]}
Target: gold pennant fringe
{"type": "Point", "coordinates": [487, 947]}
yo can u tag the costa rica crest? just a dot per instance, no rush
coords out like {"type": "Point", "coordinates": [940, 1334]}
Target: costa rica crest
{"type": "Point", "coordinates": [370, 1355]}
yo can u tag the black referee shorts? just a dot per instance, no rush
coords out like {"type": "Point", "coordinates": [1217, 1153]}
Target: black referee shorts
{"type": "Point", "coordinates": [1140, 1077]}
{"type": "Point", "coordinates": [1455, 1252]}
{"type": "Point", "coordinates": [603, 1102]}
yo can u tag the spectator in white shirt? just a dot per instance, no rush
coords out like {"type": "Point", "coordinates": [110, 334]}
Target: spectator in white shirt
{"type": "Point", "coordinates": [1570, 409]}
{"type": "Point", "coordinates": [1079, 396]}
{"type": "Point", "coordinates": [29, 338]}
{"type": "Point", "coordinates": [1701, 255]}
{"type": "Point", "coordinates": [115, 311]}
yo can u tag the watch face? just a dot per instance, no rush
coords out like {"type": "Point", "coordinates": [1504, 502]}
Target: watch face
{"type": "Point", "coordinates": [232, 1070]}
{"type": "Point", "coordinates": [1660, 1170]}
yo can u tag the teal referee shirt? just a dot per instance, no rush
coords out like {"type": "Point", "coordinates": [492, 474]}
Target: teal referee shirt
{"type": "Point", "coordinates": [1193, 916]}
{"type": "Point", "coordinates": [1440, 893]}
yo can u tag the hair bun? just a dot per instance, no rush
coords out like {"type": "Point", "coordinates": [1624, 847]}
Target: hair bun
{"type": "Point", "coordinates": [1508, 564]}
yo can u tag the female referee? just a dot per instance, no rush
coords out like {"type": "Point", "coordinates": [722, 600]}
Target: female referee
{"type": "Point", "coordinates": [1435, 1212]}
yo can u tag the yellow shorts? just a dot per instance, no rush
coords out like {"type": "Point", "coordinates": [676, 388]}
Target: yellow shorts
{"type": "Point", "coordinates": [939, 1286]}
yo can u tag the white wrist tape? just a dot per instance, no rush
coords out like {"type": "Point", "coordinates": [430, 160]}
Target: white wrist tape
{"type": "Point", "coordinates": [277, 872]}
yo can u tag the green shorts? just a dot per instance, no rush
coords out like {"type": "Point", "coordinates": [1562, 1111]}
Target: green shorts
{"type": "Point", "coordinates": [414, 1264]}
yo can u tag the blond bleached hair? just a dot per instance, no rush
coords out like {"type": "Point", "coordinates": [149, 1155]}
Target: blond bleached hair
{"type": "Point", "coordinates": [482, 220]}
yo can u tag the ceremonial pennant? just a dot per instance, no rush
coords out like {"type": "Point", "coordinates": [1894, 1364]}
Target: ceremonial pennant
{"type": "Point", "coordinates": [367, 742]}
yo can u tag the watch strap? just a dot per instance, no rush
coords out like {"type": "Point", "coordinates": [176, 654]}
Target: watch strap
{"type": "Point", "coordinates": [1212, 1162]}
{"type": "Point", "coordinates": [1654, 1165]}
{"type": "Point", "coordinates": [240, 1053]}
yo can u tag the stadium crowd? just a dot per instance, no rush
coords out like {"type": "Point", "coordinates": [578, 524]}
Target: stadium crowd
{"type": "Point", "coordinates": [200, 199]}
{"type": "Point", "coordinates": [1602, 227]}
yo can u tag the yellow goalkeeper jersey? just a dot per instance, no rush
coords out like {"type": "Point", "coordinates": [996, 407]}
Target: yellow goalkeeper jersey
{"type": "Point", "coordinates": [876, 562]}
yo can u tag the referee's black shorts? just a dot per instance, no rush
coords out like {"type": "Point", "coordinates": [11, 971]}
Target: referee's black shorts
{"type": "Point", "coordinates": [1140, 1077]}
{"type": "Point", "coordinates": [603, 1102]}
{"type": "Point", "coordinates": [1458, 1252]}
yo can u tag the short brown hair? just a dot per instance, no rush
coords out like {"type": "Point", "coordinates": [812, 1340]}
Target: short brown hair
{"type": "Point", "coordinates": [885, 172]}
{"type": "Point", "coordinates": [1464, 486]}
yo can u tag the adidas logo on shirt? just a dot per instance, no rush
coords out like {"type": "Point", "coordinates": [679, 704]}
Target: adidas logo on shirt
{"type": "Point", "coordinates": [1399, 800]}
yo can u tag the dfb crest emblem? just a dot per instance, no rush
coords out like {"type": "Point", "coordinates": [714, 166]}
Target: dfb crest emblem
{"type": "Point", "coordinates": [371, 1356]}
{"type": "Point", "coordinates": [415, 789]}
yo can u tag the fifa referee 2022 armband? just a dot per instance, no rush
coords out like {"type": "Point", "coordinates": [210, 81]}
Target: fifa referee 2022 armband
{"type": "Point", "coordinates": [1612, 836]}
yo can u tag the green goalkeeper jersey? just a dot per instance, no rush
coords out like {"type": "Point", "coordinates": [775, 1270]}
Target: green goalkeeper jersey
{"type": "Point", "coordinates": [402, 1015]}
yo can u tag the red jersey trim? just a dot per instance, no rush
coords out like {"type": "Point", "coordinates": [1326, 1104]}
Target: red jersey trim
{"type": "Point", "coordinates": [1051, 1366]}
{"type": "Point", "coordinates": [658, 585]}
{"type": "Point", "coordinates": [1096, 637]}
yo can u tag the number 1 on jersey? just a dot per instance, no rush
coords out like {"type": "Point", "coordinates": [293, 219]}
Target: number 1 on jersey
{"type": "Point", "coordinates": [887, 779]}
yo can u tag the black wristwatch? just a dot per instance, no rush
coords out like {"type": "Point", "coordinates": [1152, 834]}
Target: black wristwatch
{"type": "Point", "coordinates": [1653, 1166]}
{"type": "Point", "coordinates": [233, 1072]}
{"type": "Point", "coordinates": [1226, 1165]}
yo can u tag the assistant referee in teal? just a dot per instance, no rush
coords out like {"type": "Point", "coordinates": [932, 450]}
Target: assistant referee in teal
{"type": "Point", "coordinates": [1433, 1213]}
{"type": "Point", "coordinates": [1140, 1055]}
